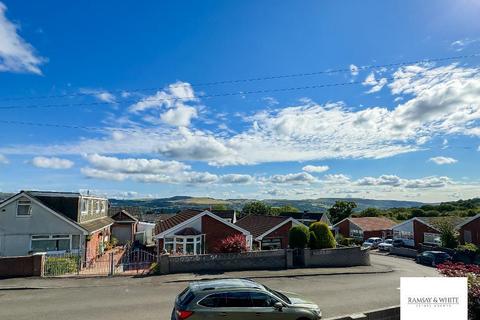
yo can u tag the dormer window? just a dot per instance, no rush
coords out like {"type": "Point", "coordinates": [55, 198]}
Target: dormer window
{"type": "Point", "coordinates": [84, 207]}
{"type": "Point", "coordinates": [24, 207]}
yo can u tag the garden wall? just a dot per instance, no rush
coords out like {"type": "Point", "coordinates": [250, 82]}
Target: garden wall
{"type": "Point", "coordinates": [339, 257]}
{"type": "Point", "coordinates": [404, 252]}
{"type": "Point", "coordinates": [390, 313]}
{"type": "Point", "coordinates": [23, 266]}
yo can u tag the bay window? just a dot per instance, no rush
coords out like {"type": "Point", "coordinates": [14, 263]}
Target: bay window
{"type": "Point", "coordinates": [190, 245]}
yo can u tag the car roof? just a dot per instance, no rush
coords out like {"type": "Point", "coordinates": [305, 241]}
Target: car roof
{"type": "Point", "coordinates": [222, 284]}
{"type": "Point", "coordinates": [435, 252]}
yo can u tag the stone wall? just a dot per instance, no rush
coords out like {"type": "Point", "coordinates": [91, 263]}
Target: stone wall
{"type": "Point", "coordinates": [339, 257]}
{"type": "Point", "coordinates": [404, 252]}
{"type": "Point", "coordinates": [254, 260]}
{"type": "Point", "coordinates": [24, 266]}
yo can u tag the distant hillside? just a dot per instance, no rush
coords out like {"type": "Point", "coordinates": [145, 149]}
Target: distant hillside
{"type": "Point", "coordinates": [174, 204]}
{"type": "Point", "coordinates": [4, 196]}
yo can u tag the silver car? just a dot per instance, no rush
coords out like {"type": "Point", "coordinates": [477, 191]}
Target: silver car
{"type": "Point", "coordinates": [240, 299]}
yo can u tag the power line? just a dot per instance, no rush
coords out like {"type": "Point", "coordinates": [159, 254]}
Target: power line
{"type": "Point", "coordinates": [227, 94]}
{"type": "Point", "coordinates": [264, 78]}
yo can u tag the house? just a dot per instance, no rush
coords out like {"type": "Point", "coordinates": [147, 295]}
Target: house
{"type": "Point", "coordinates": [469, 230]}
{"type": "Point", "coordinates": [195, 232]}
{"type": "Point", "coordinates": [308, 218]}
{"type": "Point", "coordinates": [228, 215]}
{"type": "Point", "coordinates": [145, 233]}
{"type": "Point", "coordinates": [364, 227]}
{"type": "Point", "coordinates": [54, 222]}
{"type": "Point", "coordinates": [268, 232]}
{"type": "Point", "coordinates": [124, 227]}
{"type": "Point", "coordinates": [418, 230]}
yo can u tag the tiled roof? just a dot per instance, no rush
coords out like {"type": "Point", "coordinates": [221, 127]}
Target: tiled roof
{"type": "Point", "coordinates": [97, 224]}
{"type": "Point", "coordinates": [175, 220]}
{"type": "Point", "coordinates": [188, 232]}
{"type": "Point", "coordinates": [435, 220]}
{"type": "Point", "coordinates": [258, 225]}
{"type": "Point", "coordinates": [373, 223]}
{"type": "Point", "coordinates": [308, 216]}
{"type": "Point", "coordinates": [124, 216]}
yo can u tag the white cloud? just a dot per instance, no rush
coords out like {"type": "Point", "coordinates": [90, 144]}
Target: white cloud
{"type": "Point", "coordinates": [3, 159]}
{"type": "Point", "coordinates": [336, 179]}
{"type": "Point", "coordinates": [52, 163]}
{"type": "Point", "coordinates": [101, 95]}
{"type": "Point", "coordinates": [292, 178]}
{"type": "Point", "coordinates": [395, 181]}
{"type": "Point", "coordinates": [16, 55]}
{"type": "Point", "coordinates": [376, 85]}
{"type": "Point", "coordinates": [460, 45]}
{"type": "Point", "coordinates": [180, 116]}
{"type": "Point", "coordinates": [443, 160]}
{"type": "Point", "coordinates": [316, 169]}
{"type": "Point", "coordinates": [237, 179]}
{"type": "Point", "coordinates": [353, 70]}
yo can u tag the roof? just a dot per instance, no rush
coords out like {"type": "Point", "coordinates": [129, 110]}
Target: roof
{"type": "Point", "coordinates": [223, 284]}
{"type": "Point", "coordinates": [258, 225]}
{"type": "Point", "coordinates": [225, 214]}
{"type": "Point", "coordinates": [313, 216]}
{"type": "Point", "coordinates": [432, 221]}
{"type": "Point", "coordinates": [373, 223]}
{"type": "Point", "coordinates": [65, 203]}
{"type": "Point", "coordinates": [97, 224]}
{"type": "Point", "coordinates": [188, 232]}
{"type": "Point", "coordinates": [124, 216]}
{"type": "Point", "coordinates": [171, 222]}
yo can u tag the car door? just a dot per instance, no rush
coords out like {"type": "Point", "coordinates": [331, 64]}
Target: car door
{"type": "Point", "coordinates": [238, 306]}
{"type": "Point", "coordinates": [427, 258]}
{"type": "Point", "coordinates": [263, 308]}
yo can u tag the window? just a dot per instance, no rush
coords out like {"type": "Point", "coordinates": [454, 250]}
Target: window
{"type": "Point", "coordinates": [184, 244]}
{"type": "Point", "coordinates": [239, 300]}
{"type": "Point", "coordinates": [84, 206]}
{"type": "Point", "coordinates": [467, 236]}
{"type": "Point", "coordinates": [218, 300]}
{"type": "Point", "coordinates": [24, 207]}
{"type": "Point", "coordinates": [262, 300]}
{"type": "Point", "coordinates": [45, 243]}
{"type": "Point", "coordinates": [102, 206]}
{"type": "Point", "coordinates": [432, 238]}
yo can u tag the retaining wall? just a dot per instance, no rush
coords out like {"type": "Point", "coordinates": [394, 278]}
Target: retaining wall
{"type": "Point", "coordinates": [338, 257]}
{"type": "Point", "coordinates": [23, 266]}
{"type": "Point", "coordinates": [390, 313]}
{"type": "Point", "coordinates": [404, 252]}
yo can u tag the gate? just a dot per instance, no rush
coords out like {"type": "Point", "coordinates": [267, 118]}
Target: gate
{"type": "Point", "coordinates": [298, 258]}
{"type": "Point", "coordinates": [135, 261]}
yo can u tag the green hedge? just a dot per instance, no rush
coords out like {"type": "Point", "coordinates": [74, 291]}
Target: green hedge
{"type": "Point", "coordinates": [61, 265]}
{"type": "Point", "coordinates": [321, 237]}
{"type": "Point", "coordinates": [298, 237]}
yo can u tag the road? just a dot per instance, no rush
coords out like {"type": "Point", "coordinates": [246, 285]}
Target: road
{"type": "Point", "coordinates": [150, 298]}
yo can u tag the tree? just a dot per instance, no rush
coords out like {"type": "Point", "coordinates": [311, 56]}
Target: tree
{"type": "Point", "coordinates": [341, 210]}
{"type": "Point", "coordinates": [275, 211]}
{"type": "Point", "coordinates": [371, 212]}
{"type": "Point", "coordinates": [321, 237]}
{"type": "Point", "coordinates": [298, 237]}
{"type": "Point", "coordinates": [219, 206]}
{"type": "Point", "coordinates": [448, 234]}
{"type": "Point", "coordinates": [232, 244]}
{"type": "Point", "coordinates": [256, 207]}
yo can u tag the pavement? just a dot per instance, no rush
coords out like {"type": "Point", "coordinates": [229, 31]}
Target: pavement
{"type": "Point", "coordinates": [337, 291]}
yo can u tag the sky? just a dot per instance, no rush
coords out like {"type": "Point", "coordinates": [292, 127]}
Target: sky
{"type": "Point", "coordinates": [242, 99]}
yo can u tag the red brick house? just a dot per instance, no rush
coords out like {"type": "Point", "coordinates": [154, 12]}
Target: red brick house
{"type": "Point", "coordinates": [364, 227]}
{"type": "Point", "coordinates": [195, 232]}
{"type": "Point", "coordinates": [124, 227]}
{"type": "Point", "coordinates": [268, 232]}
{"type": "Point", "coordinates": [470, 230]}
{"type": "Point", "coordinates": [420, 230]}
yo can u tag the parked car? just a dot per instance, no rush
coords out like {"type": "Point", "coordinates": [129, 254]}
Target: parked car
{"type": "Point", "coordinates": [398, 243]}
{"type": "Point", "coordinates": [433, 258]}
{"type": "Point", "coordinates": [385, 245]}
{"type": "Point", "coordinates": [240, 299]}
{"type": "Point", "coordinates": [372, 243]}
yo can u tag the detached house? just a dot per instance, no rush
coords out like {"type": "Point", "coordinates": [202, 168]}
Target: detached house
{"type": "Point", "coordinates": [268, 232]}
{"type": "Point", "coordinates": [307, 218]}
{"type": "Point", "coordinates": [54, 222]}
{"type": "Point", "coordinates": [364, 227]}
{"type": "Point", "coordinates": [195, 232]}
{"type": "Point", "coordinates": [470, 230]}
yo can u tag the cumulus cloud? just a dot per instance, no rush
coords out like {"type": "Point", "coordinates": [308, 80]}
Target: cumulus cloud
{"type": "Point", "coordinates": [376, 85]}
{"type": "Point", "coordinates": [237, 179]}
{"type": "Point", "coordinates": [16, 55]}
{"type": "Point", "coordinates": [179, 116]}
{"type": "Point", "coordinates": [395, 181]}
{"type": "Point", "coordinates": [353, 70]}
{"type": "Point", "coordinates": [101, 95]}
{"type": "Point", "coordinates": [315, 169]}
{"type": "Point", "coordinates": [52, 163]}
{"type": "Point", "coordinates": [336, 179]}
{"type": "Point", "coordinates": [460, 45]}
{"type": "Point", "coordinates": [292, 178]}
{"type": "Point", "coordinates": [3, 159]}
{"type": "Point", "coordinates": [443, 160]}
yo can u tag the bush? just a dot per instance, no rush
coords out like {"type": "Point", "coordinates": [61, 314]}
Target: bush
{"type": "Point", "coordinates": [472, 272]}
{"type": "Point", "coordinates": [232, 244]}
{"type": "Point", "coordinates": [349, 242]}
{"type": "Point", "coordinates": [468, 248]}
{"type": "Point", "coordinates": [321, 236]}
{"type": "Point", "coordinates": [298, 237]}
{"type": "Point", "coordinates": [55, 266]}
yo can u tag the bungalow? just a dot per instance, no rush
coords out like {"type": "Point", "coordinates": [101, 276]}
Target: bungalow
{"type": "Point", "coordinates": [124, 227]}
{"type": "Point", "coordinates": [195, 232]}
{"type": "Point", "coordinates": [364, 227]}
{"type": "Point", "coordinates": [268, 232]}
{"type": "Point", "coordinates": [308, 218]}
{"type": "Point", "coordinates": [470, 230]}
{"type": "Point", "coordinates": [418, 230]}
{"type": "Point", "coordinates": [54, 222]}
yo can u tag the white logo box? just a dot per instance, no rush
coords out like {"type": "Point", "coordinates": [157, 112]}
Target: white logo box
{"type": "Point", "coordinates": [438, 298]}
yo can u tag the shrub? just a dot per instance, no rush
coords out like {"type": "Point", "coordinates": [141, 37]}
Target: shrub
{"type": "Point", "coordinates": [321, 236]}
{"type": "Point", "coordinates": [349, 242]}
{"type": "Point", "coordinates": [468, 247]}
{"type": "Point", "coordinates": [55, 266]}
{"type": "Point", "coordinates": [232, 244]}
{"type": "Point", "coordinates": [298, 237]}
{"type": "Point", "coordinates": [448, 234]}
{"type": "Point", "coordinates": [472, 272]}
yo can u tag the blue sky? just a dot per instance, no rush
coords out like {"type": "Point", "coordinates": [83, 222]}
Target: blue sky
{"type": "Point", "coordinates": [135, 87]}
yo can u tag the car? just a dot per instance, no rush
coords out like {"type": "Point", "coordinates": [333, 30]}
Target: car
{"type": "Point", "coordinates": [240, 299]}
{"type": "Point", "coordinates": [385, 245]}
{"type": "Point", "coordinates": [372, 243]}
{"type": "Point", "coordinates": [398, 243]}
{"type": "Point", "coordinates": [433, 258]}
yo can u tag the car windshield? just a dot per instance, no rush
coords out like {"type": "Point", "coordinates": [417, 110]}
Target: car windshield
{"type": "Point", "coordinates": [388, 241]}
{"type": "Point", "coordinates": [279, 295]}
{"type": "Point", "coordinates": [369, 241]}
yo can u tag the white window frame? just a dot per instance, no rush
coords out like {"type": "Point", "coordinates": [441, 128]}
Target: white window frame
{"type": "Point", "coordinates": [29, 211]}
{"type": "Point", "coordinates": [432, 236]}
{"type": "Point", "coordinates": [84, 207]}
{"type": "Point", "coordinates": [54, 237]}
{"type": "Point", "coordinates": [197, 242]}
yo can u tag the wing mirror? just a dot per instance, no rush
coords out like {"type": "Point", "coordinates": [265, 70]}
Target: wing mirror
{"type": "Point", "coordinates": [278, 306]}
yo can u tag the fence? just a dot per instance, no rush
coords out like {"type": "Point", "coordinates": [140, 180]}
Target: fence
{"type": "Point", "coordinates": [23, 266]}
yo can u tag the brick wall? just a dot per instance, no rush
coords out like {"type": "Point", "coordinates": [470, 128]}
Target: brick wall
{"type": "Point", "coordinates": [474, 228]}
{"type": "Point", "coordinates": [281, 233]}
{"type": "Point", "coordinates": [418, 231]}
{"type": "Point", "coordinates": [344, 228]}
{"type": "Point", "coordinates": [215, 231]}
{"type": "Point", "coordinates": [25, 266]}
{"type": "Point", "coordinates": [373, 233]}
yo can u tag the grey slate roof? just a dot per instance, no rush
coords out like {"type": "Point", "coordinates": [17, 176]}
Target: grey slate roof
{"type": "Point", "coordinates": [97, 224]}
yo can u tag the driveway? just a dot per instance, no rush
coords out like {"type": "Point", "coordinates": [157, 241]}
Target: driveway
{"type": "Point", "coordinates": [151, 298]}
